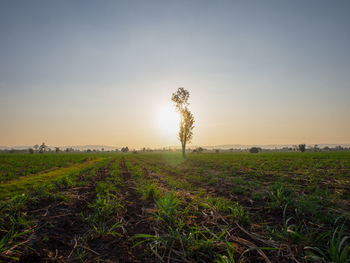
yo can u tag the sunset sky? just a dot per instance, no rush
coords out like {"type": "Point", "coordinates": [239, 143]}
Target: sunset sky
{"type": "Point", "coordinates": [102, 72]}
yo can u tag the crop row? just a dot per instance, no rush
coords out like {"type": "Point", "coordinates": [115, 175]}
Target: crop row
{"type": "Point", "coordinates": [309, 222]}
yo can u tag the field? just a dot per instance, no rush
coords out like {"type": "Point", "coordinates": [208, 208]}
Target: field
{"type": "Point", "coordinates": [158, 207]}
{"type": "Point", "coordinates": [15, 165]}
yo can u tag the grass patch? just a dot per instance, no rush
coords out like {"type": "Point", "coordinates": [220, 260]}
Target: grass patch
{"type": "Point", "coordinates": [25, 184]}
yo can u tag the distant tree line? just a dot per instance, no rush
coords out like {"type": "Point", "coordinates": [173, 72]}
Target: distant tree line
{"type": "Point", "coordinates": [43, 148]}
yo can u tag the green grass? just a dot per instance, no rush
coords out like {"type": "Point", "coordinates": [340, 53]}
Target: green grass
{"type": "Point", "coordinates": [24, 184]}
{"type": "Point", "coordinates": [16, 165]}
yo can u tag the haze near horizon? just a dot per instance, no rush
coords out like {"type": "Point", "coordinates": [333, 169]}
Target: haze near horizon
{"type": "Point", "coordinates": [258, 72]}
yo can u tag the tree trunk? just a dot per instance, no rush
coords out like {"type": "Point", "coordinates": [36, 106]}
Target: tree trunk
{"type": "Point", "coordinates": [184, 150]}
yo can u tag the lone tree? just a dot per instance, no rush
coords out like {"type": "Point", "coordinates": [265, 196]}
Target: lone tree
{"type": "Point", "coordinates": [302, 147]}
{"type": "Point", "coordinates": [42, 148]}
{"type": "Point", "coordinates": [180, 98]}
{"type": "Point", "coordinates": [125, 149]}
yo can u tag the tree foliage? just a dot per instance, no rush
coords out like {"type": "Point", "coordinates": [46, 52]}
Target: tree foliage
{"type": "Point", "coordinates": [42, 148]}
{"type": "Point", "coordinates": [180, 98]}
{"type": "Point", "coordinates": [302, 147]}
{"type": "Point", "coordinates": [125, 149]}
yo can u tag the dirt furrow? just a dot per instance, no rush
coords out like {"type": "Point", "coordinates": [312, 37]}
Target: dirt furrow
{"type": "Point", "coordinates": [60, 226]}
{"type": "Point", "coordinates": [136, 218]}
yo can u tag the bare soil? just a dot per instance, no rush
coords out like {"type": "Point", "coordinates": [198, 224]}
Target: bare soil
{"type": "Point", "coordinates": [60, 229]}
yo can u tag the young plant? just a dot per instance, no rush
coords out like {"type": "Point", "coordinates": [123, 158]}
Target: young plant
{"type": "Point", "coordinates": [238, 212]}
{"type": "Point", "coordinates": [229, 258]}
{"type": "Point", "coordinates": [102, 220]}
{"type": "Point", "coordinates": [291, 232]}
{"type": "Point", "coordinates": [281, 196]}
{"type": "Point", "coordinates": [337, 249]}
{"type": "Point", "coordinates": [167, 208]}
{"type": "Point", "coordinates": [152, 193]}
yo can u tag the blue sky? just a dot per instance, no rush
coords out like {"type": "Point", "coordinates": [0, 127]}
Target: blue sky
{"type": "Point", "coordinates": [98, 72]}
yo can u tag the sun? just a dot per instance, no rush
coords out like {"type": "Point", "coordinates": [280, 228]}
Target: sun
{"type": "Point", "coordinates": [168, 121]}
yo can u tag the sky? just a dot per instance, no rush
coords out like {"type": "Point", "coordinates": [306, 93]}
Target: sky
{"type": "Point", "coordinates": [102, 72]}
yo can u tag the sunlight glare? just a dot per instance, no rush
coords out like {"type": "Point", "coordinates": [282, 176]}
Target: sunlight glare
{"type": "Point", "coordinates": [168, 121]}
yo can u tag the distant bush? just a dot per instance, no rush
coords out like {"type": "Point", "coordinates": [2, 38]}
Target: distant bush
{"type": "Point", "coordinates": [255, 150]}
{"type": "Point", "coordinates": [198, 150]}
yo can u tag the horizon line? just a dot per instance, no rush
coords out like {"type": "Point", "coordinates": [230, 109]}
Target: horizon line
{"type": "Point", "coordinates": [228, 145]}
